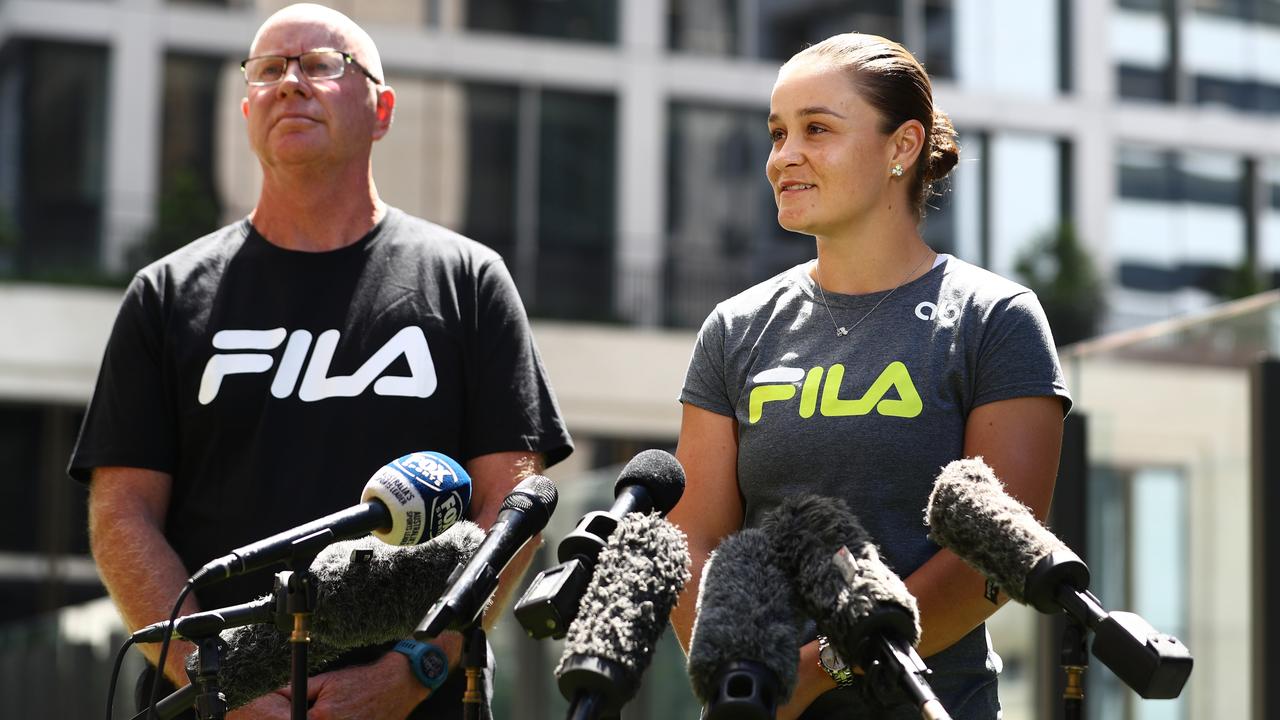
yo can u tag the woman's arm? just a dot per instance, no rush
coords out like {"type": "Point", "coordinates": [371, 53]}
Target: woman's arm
{"type": "Point", "coordinates": [1021, 439]}
{"type": "Point", "coordinates": [711, 506]}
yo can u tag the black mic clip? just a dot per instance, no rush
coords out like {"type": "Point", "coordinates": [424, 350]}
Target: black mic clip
{"type": "Point", "coordinates": [744, 690]}
{"type": "Point", "coordinates": [551, 601]}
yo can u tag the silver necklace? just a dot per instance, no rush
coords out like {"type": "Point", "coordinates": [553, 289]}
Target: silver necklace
{"type": "Point", "coordinates": [841, 331]}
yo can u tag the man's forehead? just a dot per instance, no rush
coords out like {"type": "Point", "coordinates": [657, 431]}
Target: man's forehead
{"type": "Point", "coordinates": [296, 36]}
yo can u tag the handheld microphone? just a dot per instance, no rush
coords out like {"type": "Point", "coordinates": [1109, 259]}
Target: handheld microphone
{"type": "Point", "coordinates": [652, 481]}
{"type": "Point", "coordinates": [970, 513]}
{"type": "Point", "coordinates": [367, 593]}
{"type": "Point", "coordinates": [746, 638]}
{"type": "Point", "coordinates": [624, 611]}
{"type": "Point", "coordinates": [523, 514]}
{"type": "Point", "coordinates": [409, 500]}
{"type": "Point", "coordinates": [861, 605]}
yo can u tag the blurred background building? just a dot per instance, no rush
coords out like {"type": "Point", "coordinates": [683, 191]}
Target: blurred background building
{"type": "Point", "coordinates": [1122, 157]}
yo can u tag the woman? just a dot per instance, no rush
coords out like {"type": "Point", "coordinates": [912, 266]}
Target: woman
{"type": "Point", "coordinates": [860, 374]}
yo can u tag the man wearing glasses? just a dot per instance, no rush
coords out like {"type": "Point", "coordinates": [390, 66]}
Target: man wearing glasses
{"type": "Point", "coordinates": [256, 378]}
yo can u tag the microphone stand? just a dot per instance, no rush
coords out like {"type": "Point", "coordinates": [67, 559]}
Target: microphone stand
{"type": "Point", "coordinates": [1075, 660]}
{"type": "Point", "coordinates": [475, 654]}
{"type": "Point", "coordinates": [300, 595]}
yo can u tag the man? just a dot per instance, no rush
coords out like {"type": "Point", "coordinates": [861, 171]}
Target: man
{"type": "Point", "coordinates": [256, 378]}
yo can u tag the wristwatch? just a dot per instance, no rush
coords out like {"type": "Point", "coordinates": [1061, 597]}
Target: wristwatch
{"type": "Point", "coordinates": [427, 662]}
{"type": "Point", "coordinates": [835, 666]}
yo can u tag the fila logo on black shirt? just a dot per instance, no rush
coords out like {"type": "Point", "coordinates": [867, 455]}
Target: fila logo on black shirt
{"type": "Point", "coordinates": [317, 384]}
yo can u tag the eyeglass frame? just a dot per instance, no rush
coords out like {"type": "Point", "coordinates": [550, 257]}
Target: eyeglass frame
{"type": "Point", "coordinates": [346, 56]}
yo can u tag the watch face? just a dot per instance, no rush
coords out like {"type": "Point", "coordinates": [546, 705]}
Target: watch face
{"type": "Point", "coordinates": [434, 665]}
{"type": "Point", "coordinates": [829, 659]}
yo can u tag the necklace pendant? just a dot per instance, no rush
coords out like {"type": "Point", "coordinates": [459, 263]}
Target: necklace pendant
{"type": "Point", "coordinates": [842, 331]}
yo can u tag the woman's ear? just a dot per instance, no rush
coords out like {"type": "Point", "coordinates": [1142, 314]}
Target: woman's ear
{"type": "Point", "coordinates": [907, 142]}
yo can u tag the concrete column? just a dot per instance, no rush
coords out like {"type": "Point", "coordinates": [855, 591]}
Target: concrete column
{"type": "Point", "coordinates": [642, 135]}
{"type": "Point", "coordinates": [134, 107]}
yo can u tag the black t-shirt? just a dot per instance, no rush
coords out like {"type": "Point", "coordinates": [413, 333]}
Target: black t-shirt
{"type": "Point", "coordinates": [272, 383]}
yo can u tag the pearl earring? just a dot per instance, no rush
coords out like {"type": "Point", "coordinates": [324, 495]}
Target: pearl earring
{"type": "Point", "coordinates": [896, 170]}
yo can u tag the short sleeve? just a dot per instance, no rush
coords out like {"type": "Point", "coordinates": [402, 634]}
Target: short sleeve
{"type": "Point", "coordinates": [130, 419]}
{"type": "Point", "coordinates": [513, 405]}
{"type": "Point", "coordinates": [704, 383]}
{"type": "Point", "coordinates": [1017, 357]}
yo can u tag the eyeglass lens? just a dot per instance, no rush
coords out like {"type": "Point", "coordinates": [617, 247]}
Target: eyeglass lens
{"type": "Point", "coordinates": [323, 65]}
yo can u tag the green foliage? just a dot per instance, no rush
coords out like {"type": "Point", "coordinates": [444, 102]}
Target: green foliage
{"type": "Point", "coordinates": [1243, 281]}
{"type": "Point", "coordinates": [188, 210]}
{"type": "Point", "coordinates": [1061, 274]}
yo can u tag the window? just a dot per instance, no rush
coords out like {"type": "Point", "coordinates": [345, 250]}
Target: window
{"type": "Point", "coordinates": [777, 29]}
{"type": "Point", "coordinates": [1179, 223]}
{"type": "Point", "coordinates": [591, 20]}
{"type": "Point", "coordinates": [52, 174]}
{"type": "Point", "coordinates": [723, 233]}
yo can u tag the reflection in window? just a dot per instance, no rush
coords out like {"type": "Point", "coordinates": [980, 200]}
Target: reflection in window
{"type": "Point", "coordinates": [188, 202]}
{"type": "Point", "coordinates": [592, 20]}
{"type": "Point", "coordinates": [1142, 46]}
{"type": "Point", "coordinates": [540, 190]}
{"type": "Point", "coordinates": [1007, 46]}
{"type": "Point", "coordinates": [1269, 229]}
{"type": "Point", "coordinates": [576, 170]}
{"type": "Point", "coordinates": [1179, 222]}
{"type": "Point", "coordinates": [1141, 515]}
{"type": "Point", "coordinates": [1230, 56]}
{"type": "Point", "coordinates": [52, 172]}
{"type": "Point", "coordinates": [722, 222]}
{"type": "Point", "coordinates": [1026, 197]}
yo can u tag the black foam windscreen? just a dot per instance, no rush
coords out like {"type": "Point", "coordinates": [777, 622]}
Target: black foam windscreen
{"type": "Point", "coordinates": [745, 614]}
{"type": "Point", "coordinates": [970, 513]}
{"type": "Point", "coordinates": [849, 604]}
{"type": "Point", "coordinates": [637, 580]}
{"type": "Point", "coordinates": [658, 472]}
{"type": "Point", "coordinates": [367, 593]}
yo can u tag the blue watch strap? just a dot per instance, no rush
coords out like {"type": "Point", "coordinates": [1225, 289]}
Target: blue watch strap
{"type": "Point", "coordinates": [427, 661]}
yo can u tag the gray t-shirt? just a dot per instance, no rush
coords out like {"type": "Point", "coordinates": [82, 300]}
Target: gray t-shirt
{"type": "Point", "coordinates": [870, 417]}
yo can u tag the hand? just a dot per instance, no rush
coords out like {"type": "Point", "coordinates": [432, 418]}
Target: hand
{"type": "Point", "coordinates": [382, 690]}
{"type": "Point", "coordinates": [272, 706]}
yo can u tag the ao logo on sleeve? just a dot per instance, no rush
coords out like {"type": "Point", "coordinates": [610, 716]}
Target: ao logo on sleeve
{"type": "Point", "coordinates": [317, 384]}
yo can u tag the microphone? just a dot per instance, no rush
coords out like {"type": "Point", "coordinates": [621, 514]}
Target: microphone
{"type": "Point", "coordinates": [861, 605]}
{"type": "Point", "coordinates": [411, 499]}
{"type": "Point", "coordinates": [367, 593]}
{"type": "Point", "coordinates": [624, 611]}
{"type": "Point", "coordinates": [210, 622]}
{"type": "Point", "coordinates": [745, 647]}
{"type": "Point", "coordinates": [970, 513]}
{"type": "Point", "coordinates": [523, 514]}
{"type": "Point", "coordinates": [652, 481]}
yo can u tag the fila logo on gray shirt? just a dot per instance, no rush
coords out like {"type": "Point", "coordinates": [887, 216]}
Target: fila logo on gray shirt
{"type": "Point", "coordinates": [316, 382]}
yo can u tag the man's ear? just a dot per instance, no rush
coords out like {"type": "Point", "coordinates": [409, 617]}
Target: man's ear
{"type": "Point", "coordinates": [385, 110]}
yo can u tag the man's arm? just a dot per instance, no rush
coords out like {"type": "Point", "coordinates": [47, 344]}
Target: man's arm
{"type": "Point", "coordinates": [387, 688]}
{"type": "Point", "coordinates": [141, 570]}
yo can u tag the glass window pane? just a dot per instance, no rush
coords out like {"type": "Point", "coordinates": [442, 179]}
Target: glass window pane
{"type": "Point", "coordinates": [58, 199]}
{"type": "Point", "coordinates": [1269, 235]}
{"type": "Point", "coordinates": [1007, 46]}
{"type": "Point", "coordinates": [1230, 57]}
{"type": "Point", "coordinates": [577, 161]}
{"type": "Point", "coordinates": [723, 229]}
{"type": "Point", "coordinates": [593, 20]}
{"type": "Point", "coordinates": [705, 27]}
{"type": "Point", "coordinates": [1140, 45]}
{"type": "Point", "coordinates": [188, 204]}
{"type": "Point", "coordinates": [787, 26]}
{"type": "Point", "coordinates": [492, 112]}
{"type": "Point", "coordinates": [1026, 197]}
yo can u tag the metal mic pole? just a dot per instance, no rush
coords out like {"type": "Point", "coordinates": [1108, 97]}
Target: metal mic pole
{"type": "Point", "coordinates": [1075, 659]}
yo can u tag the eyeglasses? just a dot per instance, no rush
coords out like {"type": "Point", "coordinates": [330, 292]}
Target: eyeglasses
{"type": "Point", "coordinates": [320, 64]}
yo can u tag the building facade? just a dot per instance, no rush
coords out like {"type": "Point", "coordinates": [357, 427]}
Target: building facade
{"type": "Point", "coordinates": [613, 152]}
